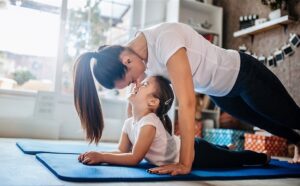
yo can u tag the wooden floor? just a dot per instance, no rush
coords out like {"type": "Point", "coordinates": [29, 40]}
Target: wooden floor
{"type": "Point", "coordinates": [18, 169]}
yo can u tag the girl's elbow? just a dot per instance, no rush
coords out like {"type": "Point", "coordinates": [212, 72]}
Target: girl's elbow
{"type": "Point", "coordinates": [135, 161]}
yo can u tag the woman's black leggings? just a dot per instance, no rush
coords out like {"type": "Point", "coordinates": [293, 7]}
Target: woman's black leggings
{"type": "Point", "coordinates": [208, 155]}
{"type": "Point", "coordinates": [259, 98]}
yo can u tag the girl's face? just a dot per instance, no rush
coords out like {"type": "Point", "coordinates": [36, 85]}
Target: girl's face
{"type": "Point", "coordinates": [135, 70]}
{"type": "Point", "coordinates": [142, 94]}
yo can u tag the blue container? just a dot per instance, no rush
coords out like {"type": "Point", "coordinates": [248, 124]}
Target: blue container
{"type": "Point", "coordinates": [225, 137]}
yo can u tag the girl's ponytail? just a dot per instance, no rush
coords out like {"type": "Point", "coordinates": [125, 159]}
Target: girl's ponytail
{"type": "Point", "coordinates": [166, 96]}
{"type": "Point", "coordinates": [165, 119]}
{"type": "Point", "coordinates": [86, 99]}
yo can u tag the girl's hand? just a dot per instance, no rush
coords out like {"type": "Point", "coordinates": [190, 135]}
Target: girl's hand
{"type": "Point", "coordinates": [90, 158]}
{"type": "Point", "coordinates": [173, 169]}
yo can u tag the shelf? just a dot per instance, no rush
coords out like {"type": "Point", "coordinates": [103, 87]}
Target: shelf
{"type": "Point", "coordinates": [202, 30]}
{"type": "Point", "coordinates": [210, 111]}
{"type": "Point", "coordinates": [284, 20]}
{"type": "Point", "coordinates": [199, 6]}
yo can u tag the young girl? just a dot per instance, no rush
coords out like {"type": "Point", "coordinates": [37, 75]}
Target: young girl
{"type": "Point", "coordinates": [148, 134]}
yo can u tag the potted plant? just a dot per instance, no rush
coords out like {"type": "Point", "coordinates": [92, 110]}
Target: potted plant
{"type": "Point", "coordinates": [275, 6]}
{"type": "Point", "coordinates": [21, 76]}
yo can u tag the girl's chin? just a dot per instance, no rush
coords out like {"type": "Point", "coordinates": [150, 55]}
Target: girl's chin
{"type": "Point", "coordinates": [130, 97]}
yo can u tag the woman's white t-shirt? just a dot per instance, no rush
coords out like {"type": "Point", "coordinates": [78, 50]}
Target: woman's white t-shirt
{"type": "Point", "coordinates": [214, 69]}
{"type": "Point", "coordinates": [164, 148]}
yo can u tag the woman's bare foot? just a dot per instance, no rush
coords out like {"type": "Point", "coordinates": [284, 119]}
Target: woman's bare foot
{"type": "Point", "coordinates": [231, 146]}
{"type": "Point", "coordinates": [296, 158]}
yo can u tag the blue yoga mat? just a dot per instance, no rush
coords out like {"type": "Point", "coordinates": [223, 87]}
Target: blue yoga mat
{"type": "Point", "coordinates": [38, 146]}
{"type": "Point", "coordinates": [67, 167]}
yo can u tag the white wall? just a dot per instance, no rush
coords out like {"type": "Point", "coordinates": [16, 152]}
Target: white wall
{"type": "Point", "coordinates": [17, 119]}
{"type": "Point", "coordinates": [148, 12]}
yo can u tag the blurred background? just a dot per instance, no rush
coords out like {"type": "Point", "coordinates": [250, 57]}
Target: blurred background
{"type": "Point", "coordinates": [40, 40]}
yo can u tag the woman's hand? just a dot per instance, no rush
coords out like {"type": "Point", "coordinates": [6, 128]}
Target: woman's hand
{"type": "Point", "coordinates": [173, 169]}
{"type": "Point", "coordinates": [90, 158]}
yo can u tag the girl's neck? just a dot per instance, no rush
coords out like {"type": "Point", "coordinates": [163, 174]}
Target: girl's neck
{"type": "Point", "coordinates": [137, 114]}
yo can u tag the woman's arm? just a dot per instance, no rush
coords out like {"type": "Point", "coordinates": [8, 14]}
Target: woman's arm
{"type": "Point", "coordinates": [140, 148]}
{"type": "Point", "coordinates": [181, 77]}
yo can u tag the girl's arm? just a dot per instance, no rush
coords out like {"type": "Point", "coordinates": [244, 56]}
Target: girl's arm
{"type": "Point", "coordinates": [123, 147]}
{"type": "Point", "coordinates": [181, 77]}
{"type": "Point", "coordinates": [124, 143]}
{"type": "Point", "coordinates": [140, 148]}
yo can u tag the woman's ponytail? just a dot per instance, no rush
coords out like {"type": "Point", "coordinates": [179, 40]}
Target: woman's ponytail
{"type": "Point", "coordinates": [86, 99]}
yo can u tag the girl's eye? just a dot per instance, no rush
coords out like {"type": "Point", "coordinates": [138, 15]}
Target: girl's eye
{"type": "Point", "coordinates": [145, 84]}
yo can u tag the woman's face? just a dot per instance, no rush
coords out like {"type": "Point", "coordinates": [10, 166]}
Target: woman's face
{"type": "Point", "coordinates": [135, 70]}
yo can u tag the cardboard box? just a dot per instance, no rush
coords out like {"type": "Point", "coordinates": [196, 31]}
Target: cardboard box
{"type": "Point", "coordinates": [273, 145]}
{"type": "Point", "coordinates": [225, 137]}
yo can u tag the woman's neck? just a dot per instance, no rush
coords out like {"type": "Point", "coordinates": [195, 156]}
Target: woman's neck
{"type": "Point", "coordinates": [137, 114]}
{"type": "Point", "coordinates": [139, 46]}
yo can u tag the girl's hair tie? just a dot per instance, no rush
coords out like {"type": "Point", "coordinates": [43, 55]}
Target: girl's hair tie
{"type": "Point", "coordinates": [168, 101]}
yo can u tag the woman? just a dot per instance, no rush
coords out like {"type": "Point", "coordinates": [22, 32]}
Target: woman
{"type": "Point", "coordinates": [236, 82]}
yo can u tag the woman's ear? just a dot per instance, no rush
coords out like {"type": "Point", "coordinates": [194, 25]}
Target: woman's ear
{"type": "Point", "coordinates": [126, 61]}
{"type": "Point", "coordinates": [125, 58]}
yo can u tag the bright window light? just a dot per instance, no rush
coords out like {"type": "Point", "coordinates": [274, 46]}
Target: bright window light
{"type": "Point", "coordinates": [29, 31]}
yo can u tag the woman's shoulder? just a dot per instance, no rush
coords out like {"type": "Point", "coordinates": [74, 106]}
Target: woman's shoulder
{"type": "Point", "coordinates": [161, 28]}
{"type": "Point", "coordinates": [166, 25]}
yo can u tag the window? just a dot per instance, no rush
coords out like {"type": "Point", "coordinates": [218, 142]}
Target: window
{"type": "Point", "coordinates": [29, 39]}
{"type": "Point", "coordinates": [89, 25]}
{"type": "Point", "coordinates": [32, 39]}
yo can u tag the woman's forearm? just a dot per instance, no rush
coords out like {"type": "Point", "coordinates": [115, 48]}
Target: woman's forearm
{"type": "Point", "coordinates": [187, 133]}
{"type": "Point", "coordinates": [120, 158]}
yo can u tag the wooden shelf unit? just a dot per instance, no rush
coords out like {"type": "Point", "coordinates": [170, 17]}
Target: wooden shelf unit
{"type": "Point", "coordinates": [282, 21]}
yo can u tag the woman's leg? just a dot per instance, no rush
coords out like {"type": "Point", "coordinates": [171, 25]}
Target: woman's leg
{"type": "Point", "coordinates": [273, 101]}
{"type": "Point", "coordinates": [266, 95]}
{"type": "Point", "coordinates": [263, 92]}
{"type": "Point", "coordinates": [238, 108]}
{"type": "Point", "coordinates": [208, 155]}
